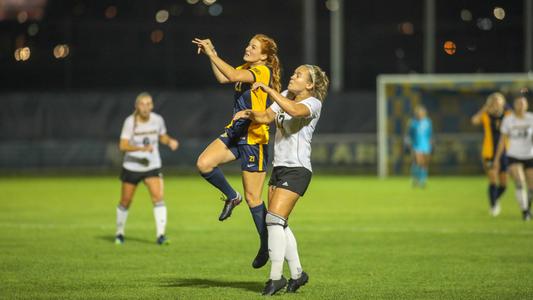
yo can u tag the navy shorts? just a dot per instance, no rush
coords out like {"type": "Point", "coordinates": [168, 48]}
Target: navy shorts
{"type": "Point", "coordinates": [254, 158]}
{"type": "Point", "coordinates": [504, 163]}
{"type": "Point", "coordinates": [135, 177]}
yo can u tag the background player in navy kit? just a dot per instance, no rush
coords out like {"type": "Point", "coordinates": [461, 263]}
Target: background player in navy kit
{"type": "Point", "coordinates": [296, 112]}
{"type": "Point", "coordinates": [241, 139]}
{"type": "Point", "coordinates": [141, 134]}
{"type": "Point", "coordinates": [490, 116]}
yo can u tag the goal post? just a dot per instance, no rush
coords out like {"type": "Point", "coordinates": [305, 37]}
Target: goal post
{"type": "Point", "coordinates": [398, 94]}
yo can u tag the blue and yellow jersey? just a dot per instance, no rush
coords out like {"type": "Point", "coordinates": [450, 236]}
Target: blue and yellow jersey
{"type": "Point", "coordinates": [491, 133]}
{"type": "Point", "coordinates": [246, 131]}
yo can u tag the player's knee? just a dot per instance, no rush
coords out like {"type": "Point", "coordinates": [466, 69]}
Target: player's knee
{"type": "Point", "coordinates": [272, 219]}
{"type": "Point", "coordinates": [204, 165]}
{"type": "Point", "coordinates": [252, 199]}
{"type": "Point", "coordinates": [125, 202]}
{"type": "Point", "coordinates": [519, 185]}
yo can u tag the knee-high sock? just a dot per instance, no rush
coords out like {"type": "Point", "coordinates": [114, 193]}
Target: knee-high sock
{"type": "Point", "coordinates": [493, 194]}
{"type": "Point", "coordinates": [500, 191]}
{"type": "Point", "coordinates": [217, 179]}
{"type": "Point", "coordinates": [160, 216]}
{"type": "Point", "coordinates": [423, 174]}
{"type": "Point", "coordinates": [529, 198]}
{"type": "Point", "coordinates": [521, 198]}
{"type": "Point", "coordinates": [415, 172]}
{"type": "Point", "coordinates": [122, 216]}
{"type": "Point", "coordinates": [258, 214]}
{"type": "Point", "coordinates": [277, 243]}
{"type": "Point", "coordinates": [291, 254]}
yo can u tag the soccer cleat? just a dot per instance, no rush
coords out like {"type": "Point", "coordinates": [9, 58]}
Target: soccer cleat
{"type": "Point", "coordinates": [273, 286]}
{"type": "Point", "coordinates": [526, 215]}
{"type": "Point", "coordinates": [495, 210]}
{"type": "Point", "coordinates": [260, 259]}
{"type": "Point", "coordinates": [295, 284]}
{"type": "Point", "coordinates": [119, 239]}
{"type": "Point", "coordinates": [229, 205]}
{"type": "Point", "coordinates": [162, 240]}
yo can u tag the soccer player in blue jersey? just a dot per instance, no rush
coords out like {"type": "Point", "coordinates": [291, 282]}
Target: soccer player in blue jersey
{"type": "Point", "coordinates": [420, 142]}
{"type": "Point", "coordinates": [243, 140]}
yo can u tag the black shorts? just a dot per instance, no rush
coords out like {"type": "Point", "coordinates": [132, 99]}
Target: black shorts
{"type": "Point", "coordinates": [135, 177]}
{"type": "Point", "coordinates": [528, 163]}
{"type": "Point", "coordinates": [294, 179]}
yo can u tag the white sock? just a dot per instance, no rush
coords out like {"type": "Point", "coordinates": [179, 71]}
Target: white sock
{"type": "Point", "coordinates": [521, 198]}
{"type": "Point", "coordinates": [276, 250]}
{"type": "Point", "coordinates": [291, 254]}
{"type": "Point", "coordinates": [122, 216]}
{"type": "Point", "coordinates": [160, 215]}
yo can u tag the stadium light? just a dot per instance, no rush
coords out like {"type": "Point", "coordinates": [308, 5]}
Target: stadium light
{"type": "Point", "coordinates": [499, 13]}
{"type": "Point", "coordinates": [466, 15]}
{"type": "Point", "coordinates": [215, 10]}
{"type": "Point", "coordinates": [22, 54]}
{"type": "Point", "coordinates": [161, 16]}
{"type": "Point", "coordinates": [33, 29]}
{"type": "Point", "coordinates": [61, 51]}
{"type": "Point", "coordinates": [111, 12]}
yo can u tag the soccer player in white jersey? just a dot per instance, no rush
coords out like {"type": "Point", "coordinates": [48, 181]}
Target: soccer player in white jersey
{"type": "Point", "coordinates": [141, 134]}
{"type": "Point", "coordinates": [296, 112]}
{"type": "Point", "coordinates": [517, 132]}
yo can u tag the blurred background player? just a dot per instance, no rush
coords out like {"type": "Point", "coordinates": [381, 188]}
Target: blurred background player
{"type": "Point", "coordinates": [296, 112]}
{"type": "Point", "coordinates": [241, 139]}
{"type": "Point", "coordinates": [517, 132]}
{"type": "Point", "coordinates": [419, 141]}
{"type": "Point", "coordinates": [490, 116]}
{"type": "Point", "coordinates": [141, 134]}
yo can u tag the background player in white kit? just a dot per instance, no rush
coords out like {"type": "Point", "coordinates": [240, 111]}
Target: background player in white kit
{"type": "Point", "coordinates": [141, 134]}
{"type": "Point", "coordinates": [517, 132]}
{"type": "Point", "coordinates": [296, 112]}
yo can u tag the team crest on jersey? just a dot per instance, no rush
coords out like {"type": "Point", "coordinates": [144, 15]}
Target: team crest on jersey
{"type": "Point", "coordinates": [256, 70]}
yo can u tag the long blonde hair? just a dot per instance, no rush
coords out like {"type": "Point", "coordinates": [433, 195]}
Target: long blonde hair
{"type": "Point", "coordinates": [320, 81]}
{"type": "Point", "coordinates": [270, 48]}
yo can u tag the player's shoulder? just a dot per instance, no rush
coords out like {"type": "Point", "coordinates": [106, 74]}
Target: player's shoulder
{"type": "Point", "coordinates": [156, 116]}
{"type": "Point", "coordinates": [260, 70]}
{"type": "Point", "coordinates": [313, 101]}
{"type": "Point", "coordinates": [129, 120]}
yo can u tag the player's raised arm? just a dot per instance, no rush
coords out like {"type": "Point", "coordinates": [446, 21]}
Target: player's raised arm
{"type": "Point", "coordinates": [294, 109]}
{"type": "Point", "coordinates": [262, 117]}
{"type": "Point", "coordinates": [224, 72]}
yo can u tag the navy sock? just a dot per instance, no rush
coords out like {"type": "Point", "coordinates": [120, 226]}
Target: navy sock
{"type": "Point", "coordinates": [501, 190]}
{"type": "Point", "coordinates": [217, 179]}
{"type": "Point", "coordinates": [258, 214]}
{"type": "Point", "coordinates": [493, 194]}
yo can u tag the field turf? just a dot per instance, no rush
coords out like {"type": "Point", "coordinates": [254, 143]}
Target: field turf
{"type": "Point", "coordinates": [358, 237]}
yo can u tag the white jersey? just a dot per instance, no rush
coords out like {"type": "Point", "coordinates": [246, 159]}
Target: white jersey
{"type": "Point", "coordinates": [292, 145]}
{"type": "Point", "coordinates": [143, 134]}
{"type": "Point", "coordinates": [520, 132]}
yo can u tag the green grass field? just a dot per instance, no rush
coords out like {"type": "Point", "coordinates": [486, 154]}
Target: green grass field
{"type": "Point", "coordinates": [359, 238]}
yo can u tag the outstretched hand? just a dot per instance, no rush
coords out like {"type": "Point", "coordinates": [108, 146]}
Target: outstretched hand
{"type": "Point", "coordinates": [204, 46]}
{"type": "Point", "coordinates": [173, 144]}
{"type": "Point", "coordinates": [243, 114]}
{"type": "Point", "coordinates": [259, 85]}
